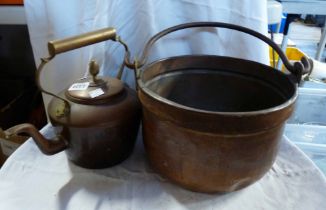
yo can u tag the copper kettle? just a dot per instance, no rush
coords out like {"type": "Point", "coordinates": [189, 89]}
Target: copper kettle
{"type": "Point", "coordinates": [96, 119]}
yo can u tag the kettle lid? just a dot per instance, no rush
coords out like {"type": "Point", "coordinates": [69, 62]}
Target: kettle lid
{"type": "Point", "coordinates": [94, 90]}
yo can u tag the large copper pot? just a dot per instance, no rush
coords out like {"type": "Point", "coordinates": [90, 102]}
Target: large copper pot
{"type": "Point", "coordinates": [213, 123]}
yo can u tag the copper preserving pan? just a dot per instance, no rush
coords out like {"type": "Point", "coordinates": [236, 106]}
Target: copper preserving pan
{"type": "Point", "coordinates": [214, 123]}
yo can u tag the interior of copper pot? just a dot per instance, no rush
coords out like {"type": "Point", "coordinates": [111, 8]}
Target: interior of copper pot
{"type": "Point", "coordinates": [220, 84]}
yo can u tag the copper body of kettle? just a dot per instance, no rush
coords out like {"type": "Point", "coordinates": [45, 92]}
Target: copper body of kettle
{"type": "Point", "coordinates": [96, 120]}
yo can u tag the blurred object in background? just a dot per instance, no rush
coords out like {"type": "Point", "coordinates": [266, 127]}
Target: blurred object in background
{"type": "Point", "coordinates": [20, 100]}
{"type": "Point", "coordinates": [11, 2]}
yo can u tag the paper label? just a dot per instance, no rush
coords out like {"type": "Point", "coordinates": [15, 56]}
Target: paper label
{"type": "Point", "coordinates": [96, 92]}
{"type": "Point", "coordinates": [8, 147]}
{"type": "Point", "coordinates": [79, 86]}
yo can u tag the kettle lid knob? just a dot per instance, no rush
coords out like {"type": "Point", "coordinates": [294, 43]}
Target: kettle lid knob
{"type": "Point", "coordinates": [94, 69]}
{"type": "Point", "coordinates": [97, 89]}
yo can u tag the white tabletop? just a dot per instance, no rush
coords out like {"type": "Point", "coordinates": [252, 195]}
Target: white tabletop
{"type": "Point", "coordinates": [30, 180]}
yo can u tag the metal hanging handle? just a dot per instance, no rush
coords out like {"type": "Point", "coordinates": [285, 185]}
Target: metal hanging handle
{"type": "Point", "coordinates": [63, 45]}
{"type": "Point", "coordinates": [297, 69]}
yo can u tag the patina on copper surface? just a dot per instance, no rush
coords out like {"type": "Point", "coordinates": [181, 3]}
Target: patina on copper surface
{"type": "Point", "coordinates": [213, 123]}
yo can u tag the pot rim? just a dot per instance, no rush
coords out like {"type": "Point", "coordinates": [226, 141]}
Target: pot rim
{"type": "Point", "coordinates": [159, 98]}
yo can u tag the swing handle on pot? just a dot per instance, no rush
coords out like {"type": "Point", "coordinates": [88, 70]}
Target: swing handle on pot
{"type": "Point", "coordinates": [297, 69]}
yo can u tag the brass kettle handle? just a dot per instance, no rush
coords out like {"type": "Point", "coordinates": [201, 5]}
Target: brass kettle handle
{"type": "Point", "coordinates": [63, 45]}
{"type": "Point", "coordinates": [75, 42]}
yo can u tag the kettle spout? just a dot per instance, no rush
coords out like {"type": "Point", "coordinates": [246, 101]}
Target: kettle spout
{"type": "Point", "coordinates": [47, 146]}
